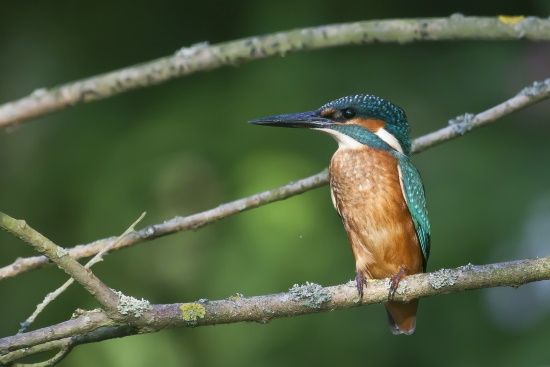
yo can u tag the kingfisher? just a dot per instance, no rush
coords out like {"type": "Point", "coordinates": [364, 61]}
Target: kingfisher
{"type": "Point", "coordinates": [376, 190]}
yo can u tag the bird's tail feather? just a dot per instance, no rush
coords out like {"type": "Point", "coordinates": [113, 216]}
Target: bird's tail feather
{"type": "Point", "coordinates": [402, 317]}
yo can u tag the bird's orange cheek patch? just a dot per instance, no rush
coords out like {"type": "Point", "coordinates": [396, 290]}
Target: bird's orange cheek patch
{"type": "Point", "coordinates": [373, 125]}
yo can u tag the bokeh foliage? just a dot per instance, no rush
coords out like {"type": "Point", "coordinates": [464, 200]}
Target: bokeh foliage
{"type": "Point", "coordinates": [181, 147]}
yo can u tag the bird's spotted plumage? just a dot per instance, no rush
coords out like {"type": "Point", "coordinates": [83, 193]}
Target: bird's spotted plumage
{"type": "Point", "coordinates": [376, 190]}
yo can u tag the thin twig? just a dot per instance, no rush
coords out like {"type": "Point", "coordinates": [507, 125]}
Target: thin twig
{"type": "Point", "coordinates": [106, 297]}
{"type": "Point", "coordinates": [305, 299]}
{"type": "Point", "coordinates": [99, 256]}
{"type": "Point", "coordinates": [64, 345]}
{"type": "Point", "coordinates": [537, 92]}
{"type": "Point", "coordinates": [202, 56]}
{"type": "Point", "coordinates": [53, 295]}
{"type": "Point", "coordinates": [60, 355]}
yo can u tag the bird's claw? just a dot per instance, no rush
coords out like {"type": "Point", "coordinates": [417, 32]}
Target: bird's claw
{"type": "Point", "coordinates": [361, 282]}
{"type": "Point", "coordinates": [394, 281]}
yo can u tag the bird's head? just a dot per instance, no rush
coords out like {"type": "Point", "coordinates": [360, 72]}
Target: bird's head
{"type": "Point", "coordinates": [358, 119]}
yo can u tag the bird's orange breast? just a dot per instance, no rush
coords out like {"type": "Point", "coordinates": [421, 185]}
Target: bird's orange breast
{"type": "Point", "coordinates": [367, 194]}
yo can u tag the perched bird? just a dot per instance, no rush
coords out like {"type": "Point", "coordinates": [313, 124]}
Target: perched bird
{"type": "Point", "coordinates": [376, 190]}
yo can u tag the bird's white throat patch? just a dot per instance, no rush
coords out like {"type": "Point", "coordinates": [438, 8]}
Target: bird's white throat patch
{"type": "Point", "coordinates": [346, 142]}
{"type": "Point", "coordinates": [389, 139]}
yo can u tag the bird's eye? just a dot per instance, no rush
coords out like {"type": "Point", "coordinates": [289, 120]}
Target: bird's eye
{"type": "Point", "coordinates": [348, 113]}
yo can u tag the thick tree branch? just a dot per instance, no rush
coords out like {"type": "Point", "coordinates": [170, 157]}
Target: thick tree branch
{"type": "Point", "coordinates": [457, 127]}
{"type": "Point", "coordinates": [106, 297]}
{"type": "Point", "coordinates": [205, 57]}
{"type": "Point", "coordinates": [310, 298]}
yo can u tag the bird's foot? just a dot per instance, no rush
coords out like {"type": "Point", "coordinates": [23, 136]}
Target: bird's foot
{"type": "Point", "coordinates": [394, 281]}
{"type": "Point", "coordinates": [361, 282]}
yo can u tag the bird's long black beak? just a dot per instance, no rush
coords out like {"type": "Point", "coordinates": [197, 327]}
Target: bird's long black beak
{"type": "Point", "coordinates": [310, 119]}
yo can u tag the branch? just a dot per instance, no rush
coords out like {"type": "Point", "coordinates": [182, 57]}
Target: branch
{"type": "Point", "coordinates": [310, 298]}
{"type": "Point", "coordinates": [53, 295]}
{"type": "Point", "coordinates": [176, 224]}
{"type": "Point", "coordinates": [63, 345]}
{"type": "Point", "coordinates": [537, 92]}
{"type": "Point", "coordinates": [202, 56]}
{"type": "Point", "coordinates": [106, 297]}
{"type": "Point", "coordinates": [460, 125]}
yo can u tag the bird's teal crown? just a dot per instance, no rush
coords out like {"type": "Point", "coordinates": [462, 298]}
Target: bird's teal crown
{"type": "Point", "coordinates": [369, 106]}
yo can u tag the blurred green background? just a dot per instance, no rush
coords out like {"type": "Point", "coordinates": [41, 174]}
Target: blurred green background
{"type": "Point", "coordinates": [88, 172]}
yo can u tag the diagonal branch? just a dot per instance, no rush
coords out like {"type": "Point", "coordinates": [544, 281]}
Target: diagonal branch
{"type": "Point", "coordinates": [53, 295]}
{"type": "Point", "coordinates": [96, 326]}
{"type": "Point", "coordinates": [460, 125]}
{"type": "Point", "coordinates": [176, 224]}
{"type": "Point", "coordinates": [537, 92]}
{"type": "Point", "coordinates": [106, 297]}
{"type": "Point", "coordinates": [202, 56]}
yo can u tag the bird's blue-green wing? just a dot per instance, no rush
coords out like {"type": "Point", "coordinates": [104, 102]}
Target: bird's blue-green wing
{"type": "Point", "coordinates": [413, 189]}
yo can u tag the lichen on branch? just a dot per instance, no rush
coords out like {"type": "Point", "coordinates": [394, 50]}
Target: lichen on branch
{"type": "Point", "coordinates": [299, 300]}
